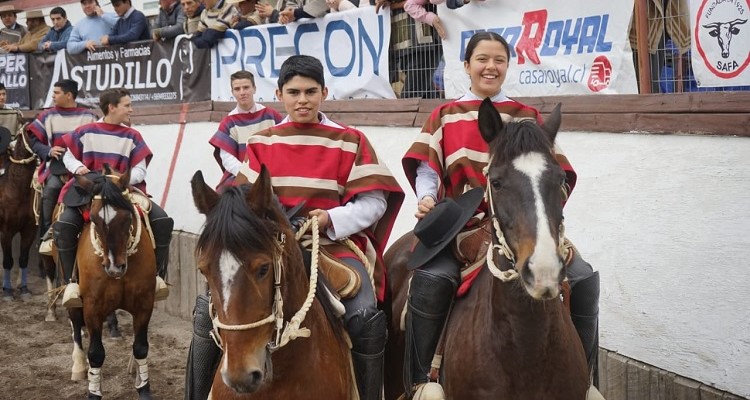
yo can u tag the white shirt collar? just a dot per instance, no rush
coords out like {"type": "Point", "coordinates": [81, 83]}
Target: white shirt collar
{"type": "Point", "coordinates": [256, 107]}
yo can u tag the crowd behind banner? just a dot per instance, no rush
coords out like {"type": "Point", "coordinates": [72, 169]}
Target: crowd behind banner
{"type": "Point", "coordinates": [410, 49]}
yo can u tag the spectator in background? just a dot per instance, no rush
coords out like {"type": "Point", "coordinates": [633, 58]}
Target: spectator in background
{"type": "Point", "coordinates": [215, 20]}
{"type": "Point", "coordinates": [293, 10]}
{"type": "Point", "coordinates": [171, 21]}
{"type": "Point", "coordinates": [416, 9]}
{"type": "Point", "coordinates": [131, 27]}
{"type": "Point", "coordinates": [38, 29]}
{"type": "Point", "coordinates": [3, 97]}
{"type": "Point", "coordinates": [268, 12]}
{"type": "Point", "coordinates": [11, 32]}
{"type": "Point", "coordinates": [193, 10]}
{"type": "Point", "coordinates": [87, 32]}
{"type": "Point", "coordinates": [414, 50]}
{"type": "Point", "coordinates": [246, 15]}
{"type": "Point", "coordinates": [339, 5]}
{"type": "Point", "coordinates": [57, 37]}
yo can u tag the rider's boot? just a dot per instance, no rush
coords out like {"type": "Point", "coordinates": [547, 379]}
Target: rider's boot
{"type": "Point", "coordinates": [368, 348]}
{"type": "Point", "coordinates": [66, 240]}
{"type": "Point", "coordinates": [204, 355]}
{"type": "Point", "coordinates": [162, 228]}
{"type": "Point", "coordinates": [584, 309]}
{"type": "Point", "coordinates": [430, 298]}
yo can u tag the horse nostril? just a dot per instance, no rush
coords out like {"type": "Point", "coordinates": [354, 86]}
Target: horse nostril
{"type": "Point", "coordinates": [256, 378]}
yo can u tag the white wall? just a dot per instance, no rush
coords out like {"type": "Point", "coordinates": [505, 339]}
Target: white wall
{"type": "Point", "coordinates": [664, 218]}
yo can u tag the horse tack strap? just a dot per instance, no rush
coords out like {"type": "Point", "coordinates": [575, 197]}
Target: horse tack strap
{"type": "Point", "coordinates": [133, 240]}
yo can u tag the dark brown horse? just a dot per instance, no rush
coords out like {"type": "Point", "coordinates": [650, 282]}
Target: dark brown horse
{"type": "Point", "coordinates": [16, 212]}
{"type": "Point", "coordinates": [507, 338]}
{"type": "Point", "coordinates": [254, 267]}
{"type": "Point", "coordinates": [116, 270]}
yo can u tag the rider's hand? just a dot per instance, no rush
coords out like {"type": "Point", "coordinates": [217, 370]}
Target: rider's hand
{"type": "Point", "coordinates": [323, 219]}
{"type": "Point", "coordinates": [56, 152]}
{"type": "Point", "coordinates": [424, 206]}
{"type": "Point", "coordinates": [82, 170]}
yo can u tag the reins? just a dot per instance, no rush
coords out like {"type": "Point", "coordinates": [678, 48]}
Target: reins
{"type": "Point", "coordinates": [292, 330]}
{"type": "Point", "coordinates": [133, 238]}
{"type": "Point", "coordinates": [30, 158]}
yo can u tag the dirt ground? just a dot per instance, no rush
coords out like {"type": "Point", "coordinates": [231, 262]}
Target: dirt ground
{"type": "Point", "coordinates": [35, 356]}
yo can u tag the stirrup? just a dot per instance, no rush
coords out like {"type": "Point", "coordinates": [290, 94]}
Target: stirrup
{"type": "Point", "coordinates": [72, 297]}
{"type": "Point", "coordinates": [428, 391]}
{"type": "Point", "coordinates": [162, 291]}
{"type": "Point", "coordinates": [45, 248]}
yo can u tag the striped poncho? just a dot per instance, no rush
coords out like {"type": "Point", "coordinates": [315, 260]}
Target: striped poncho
{"type": "Point", "coordinates": [452, 145]}
{"type": "Point", "coordinates": [327, 165]}
{"type": "Point", "coordinates": [98, 143]}
{"type": "Point", "coordinates": [233, 132]}
{"type": "Point", "coordinates": [50, 126]}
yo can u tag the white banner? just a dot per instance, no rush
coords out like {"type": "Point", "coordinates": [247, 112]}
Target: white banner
{"type": "Point", "coordinates": [720, 49]}
{"type": "Point", "coordinates": [352, 45]}
{"type": "Point", "coordinates": [558, 47]}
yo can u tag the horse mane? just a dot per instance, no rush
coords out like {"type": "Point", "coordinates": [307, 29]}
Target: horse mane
{"type": "Point", "coordinates": [520, 138]}
{"type": "Point", "coordinates": [111, 194]}
{"type": "Point", "coordinates": [233, 227]}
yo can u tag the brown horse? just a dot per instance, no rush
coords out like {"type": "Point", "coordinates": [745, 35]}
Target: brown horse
{"type": "Point", "coordinates": [16, 212]}
{"type": "Point", "coordinates": [507, 338]}
{"type": "Point", "coordinates": [116, 270]}
{"type": "Point", "coordinates": [255, 271]}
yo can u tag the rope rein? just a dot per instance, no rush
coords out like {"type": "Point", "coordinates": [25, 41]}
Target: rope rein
{"type": "Point", "coordinates": [292, 330]}
{"type": "Point", "coordinates": [29, 159]}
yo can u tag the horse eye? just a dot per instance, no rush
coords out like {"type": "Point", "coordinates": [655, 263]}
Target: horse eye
{"type": "Point", "coordinates": [497, 184]}
{"type": "Point", "coordinates": [263, 271]}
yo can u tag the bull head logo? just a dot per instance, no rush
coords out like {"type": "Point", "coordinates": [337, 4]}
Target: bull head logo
{"type": "Point", "coordinates": [723, 31]}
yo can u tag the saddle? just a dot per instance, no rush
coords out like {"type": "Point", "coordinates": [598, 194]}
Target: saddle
{"type": "Point", "coordinates": [341, 278]}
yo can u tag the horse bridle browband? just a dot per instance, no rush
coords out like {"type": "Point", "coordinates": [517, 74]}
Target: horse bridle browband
{"type": "Point", "coordinates": [499, 241]}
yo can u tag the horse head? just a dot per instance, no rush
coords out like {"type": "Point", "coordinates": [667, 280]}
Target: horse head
{"type": "Point", "coordinates": [525, 198]}
{"type": "Point", "coordinates": [244, 243]}
{"type": "Point", "coordinates": [112, 216]}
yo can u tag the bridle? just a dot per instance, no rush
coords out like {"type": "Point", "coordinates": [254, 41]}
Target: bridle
{"type": "Point", "coordinates": [292, 330]}
{"type": "Point", "coordinates": [499, 242]}
{"type": "Point", "coordinates": [27, 160]}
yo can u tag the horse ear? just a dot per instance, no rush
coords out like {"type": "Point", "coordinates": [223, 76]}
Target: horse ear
{"type": "Point", "coordinates": [490, 122]}
{"type": "Point", "coordinates": [204, 197]}
{"type": "Point", "coordinates": [552, 124]}
{"type": "Point", "coordinates": [124, 180]}
{"type": "Point", "coordinates": [260, 196]}
{"type": "Point", "coordinates": [107, 170]}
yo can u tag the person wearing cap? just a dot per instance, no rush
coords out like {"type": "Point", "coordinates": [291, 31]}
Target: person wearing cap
{"type": "Point", "coordinates": [57, 37]}
{"type": "Point", "coordinates": [447, 157]}
{"type": "Point", "coordinates": [46, 138]}
{"type": "Point", "coordinates": [215, 20]}
{"type": "Point", "coordinates": [171, 21]}
{"type": "Point", "coordinates": [38, 28]}
{"type": "Point", "coordinates": [131, 27]}
{"type": "Point", "coordinates": [89, 147]}
{"type": "Point", "coordinates": [12, 31]}
{"type": "Point", "coordinates": [88, 30]}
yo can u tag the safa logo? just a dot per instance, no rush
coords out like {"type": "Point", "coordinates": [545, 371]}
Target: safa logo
{"type": "Point", "coordinates": [722, 36]}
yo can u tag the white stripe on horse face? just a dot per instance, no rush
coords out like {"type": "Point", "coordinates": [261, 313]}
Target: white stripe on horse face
{"type": "Point", "coordinates": [544, 263]}
{"type": "Point", "coordinates": [107, 213]}
{"type": "Point", "coordinates": [228, 267]}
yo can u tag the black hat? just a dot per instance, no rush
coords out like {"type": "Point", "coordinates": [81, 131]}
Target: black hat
{"type": "Point", "coordinates": [76, 195]}
{"type": "Point", "coordinates": [57, 167]}
{"type": "Point", "coordinates": [438, 228]}
{"type": "Point", "coordinates": [5, 138]}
